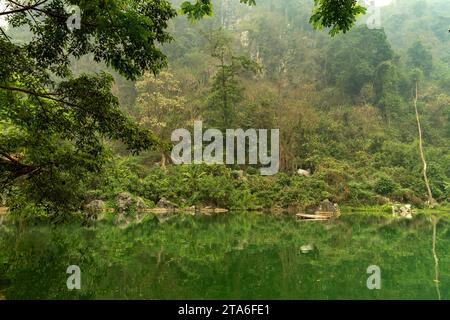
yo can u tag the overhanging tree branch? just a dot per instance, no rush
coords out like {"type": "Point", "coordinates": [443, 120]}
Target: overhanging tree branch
{"type": "Point", "coordinates": [22, 8]}
{"type": "Point", "coordinates": [49, 96]}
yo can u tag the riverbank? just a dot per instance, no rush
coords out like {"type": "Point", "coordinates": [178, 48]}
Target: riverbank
{"type": "Point", "coordinates": [162, 214]}
{"type": "Point", "coordinates": [211, 186]}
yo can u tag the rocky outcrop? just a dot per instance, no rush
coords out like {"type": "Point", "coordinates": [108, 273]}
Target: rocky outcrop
{"type": "Point", "coordinates": [124, 201]}
{"type": "Point", "coordinates": [94, 208]}
{"type": "Point", "coordinates": [239, 175]}
{"type": "Point", "coordinates": [140, 204]}
{"type": "Point", "coordinates": [166, 204]}
{"type": "Point", "coordinates": [381, 201]}
{"type": "Point", "coordinates": [304, 173]}
{"type": "Point", "coordinates": [325, 207]}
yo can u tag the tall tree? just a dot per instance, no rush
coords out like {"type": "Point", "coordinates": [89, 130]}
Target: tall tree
{"type": "Point", "coordinates": [420, 57]}
{"type": "Point", "coordinates": [161, 106]}
{"type": "Point", "coordinates": [53, 123]}
{"type": "Point", "coordinates": [352, 61]}
{"type": "Point", "coordinates": [431, 200]}
{"type": "Point", "coordinates": [227, 90]}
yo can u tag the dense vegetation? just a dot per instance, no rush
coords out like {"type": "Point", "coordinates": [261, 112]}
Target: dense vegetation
{"type": "Point", "coordinates": [86, 117]}
{"type": "Point", "coordinates": [344, 104]}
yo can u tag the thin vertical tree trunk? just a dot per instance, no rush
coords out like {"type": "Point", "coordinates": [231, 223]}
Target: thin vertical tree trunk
{"type": "Point", "coordinates": [163, 161]}
{"type": "Point", "coordinates": [422, 154]}
{"type": "Point", "coordinates": [226, 114]}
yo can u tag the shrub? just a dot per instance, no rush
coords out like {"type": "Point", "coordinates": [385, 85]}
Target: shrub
{"type": "Point", "coordinates": [385, 186]}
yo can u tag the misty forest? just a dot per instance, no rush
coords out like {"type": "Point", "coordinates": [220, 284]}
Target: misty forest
{"type": "Point", "coordinates": [92, 91]}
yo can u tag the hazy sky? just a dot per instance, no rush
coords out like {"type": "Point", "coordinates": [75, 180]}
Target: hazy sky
{"type": "Point", "coordinates": [2, 7]}
{"type": "Point", "coordinates": [380, 3]}
{"type": "Point", "coordinates": [383, 3]}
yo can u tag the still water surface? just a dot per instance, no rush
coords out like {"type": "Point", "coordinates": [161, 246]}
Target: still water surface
{"type": "Point", "coordinates": [235, 256]}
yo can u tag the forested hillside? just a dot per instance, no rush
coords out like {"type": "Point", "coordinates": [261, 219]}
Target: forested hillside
{"type": "Point", "coordinates": [344, 106]}
{"type": "Point", "coordinates": [224, 149]}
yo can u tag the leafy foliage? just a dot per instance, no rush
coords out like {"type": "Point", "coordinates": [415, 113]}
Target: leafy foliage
{"type": "Point", "coordinates": [338, 15]}
{"type": "Point", "coordinates": [201, 8]}
{"type": "Point", "coordinates": [53, 129]}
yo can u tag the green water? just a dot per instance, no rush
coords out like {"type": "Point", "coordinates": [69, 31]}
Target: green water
{"type": "Point", "coordinates": [237, 256]}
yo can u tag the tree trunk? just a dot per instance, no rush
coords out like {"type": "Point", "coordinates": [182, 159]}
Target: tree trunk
{"type": "Point", "coordinates": [163, 161]}
{"type": "Point", "coordinates": [431, 201]}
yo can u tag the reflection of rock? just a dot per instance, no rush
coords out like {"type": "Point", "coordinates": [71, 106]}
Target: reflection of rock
{"type": "Point", "coordinates": [402, 211]}
{"type": "Point", "coordinates": [307, 248]}
{"type": "Point", "coordinates": [166, 204]}
{"type": "Point", "coordinates": [94, 208]}
{"type": "Point", "coordinates": [124, 201]}
{"type": "Point", "coordinates": [164, 218]}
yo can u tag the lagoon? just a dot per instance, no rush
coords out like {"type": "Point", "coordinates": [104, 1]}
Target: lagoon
{"type": "Point", "coordinates": [240, 255]}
